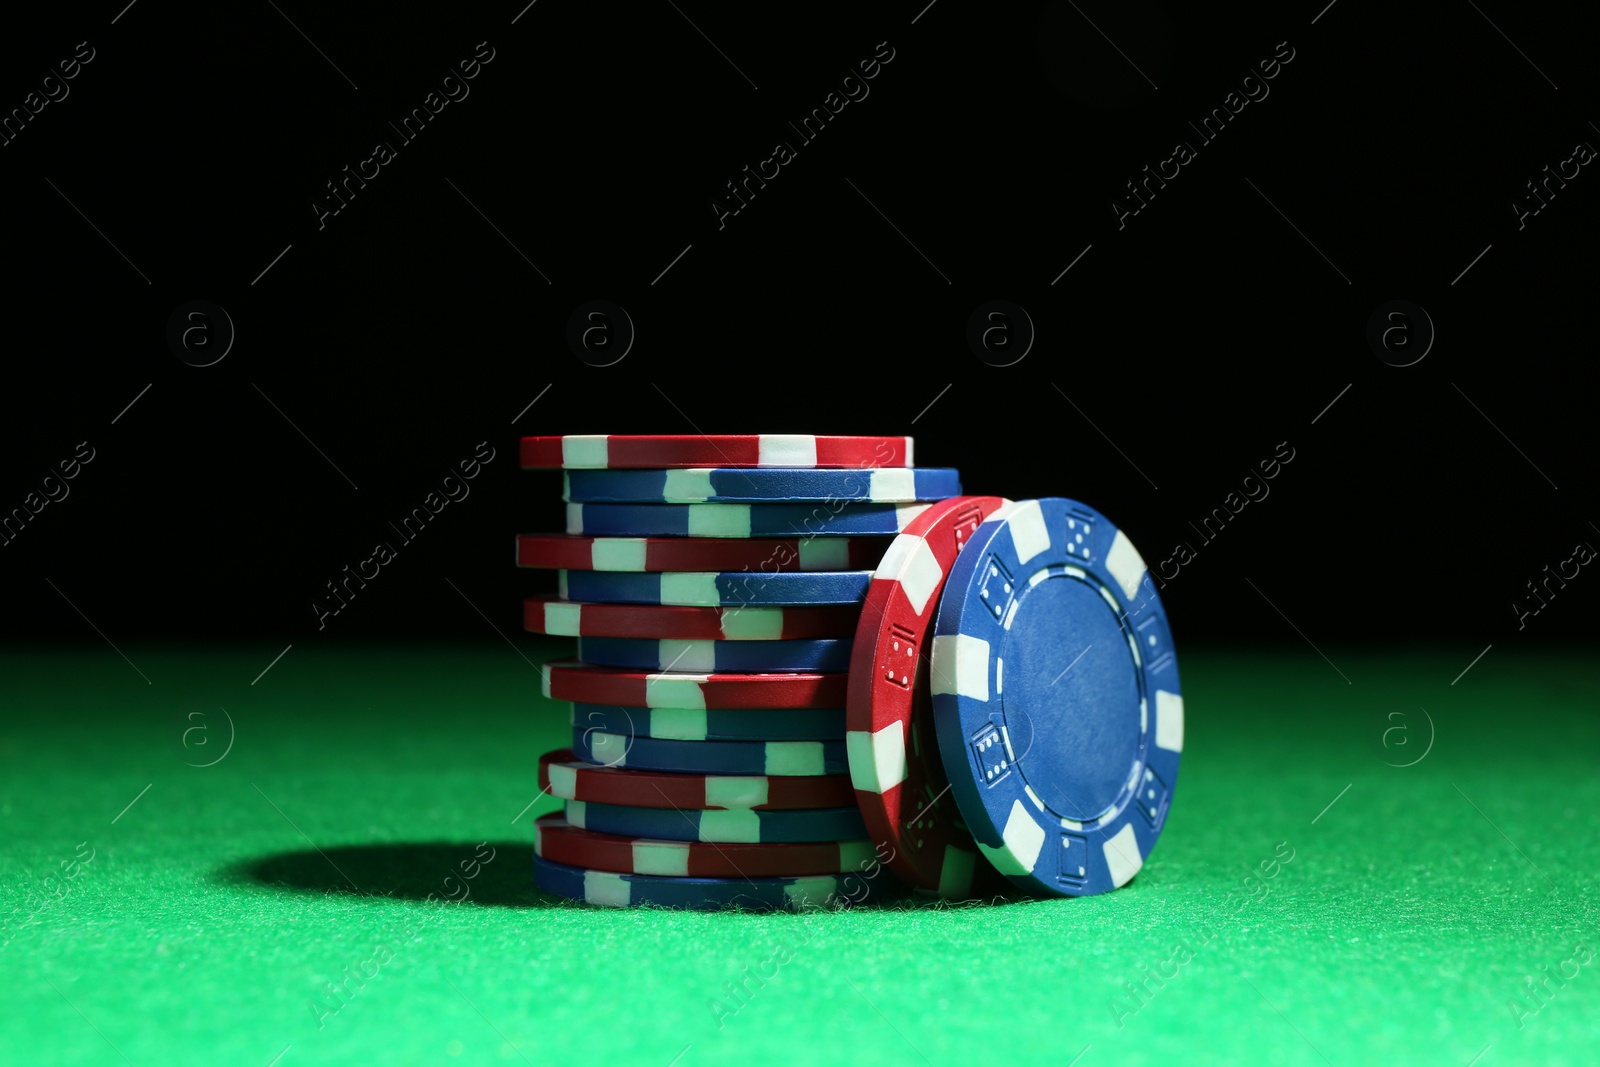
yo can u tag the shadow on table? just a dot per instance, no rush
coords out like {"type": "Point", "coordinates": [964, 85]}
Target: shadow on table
{"type": "Point", "coordinates": [491, 874]}
{"type": "Point", "coordinates": [496, 874]}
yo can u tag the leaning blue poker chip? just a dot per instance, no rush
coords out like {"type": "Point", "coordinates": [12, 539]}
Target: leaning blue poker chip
{"type": "Point", "coordinates": [1056, 699]}
{"type": "Point", "coordinates": [699, 485]}
{"type": "Point", "coordinates": [711, 657]}
{"type": "Point", "coordinates": [782, 758]}
{"type": "Point", "coordinates": [701, 724]}
{"type": "Point", "coordinates": [709, 589]}
{"type": "Point", "coordinates": [753, 825]}
{"type": "Point", "coordinates": [739, 520]}
{"type": "Point", "coordinates": [711, 894]}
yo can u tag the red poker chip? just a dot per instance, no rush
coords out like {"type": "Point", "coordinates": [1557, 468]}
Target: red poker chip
{"type": "Point", "coordinates": [648, 451]}
{"type": "Point", "coordinates": [567, 618]}
{"type": "Point", "coordinates": [895, 767]}
{"type": "Point", "coordinates": [722, 554]}
{"type": "Point", "coordinates": [562, 774]}
{"type": "Point", "coordinates": [588, 684]}
{"type": "Point", "coordinates": [562, 842]}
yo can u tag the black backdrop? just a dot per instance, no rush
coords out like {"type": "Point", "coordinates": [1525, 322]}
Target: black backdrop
{"type": "Point", "coordinates": [375, 347]}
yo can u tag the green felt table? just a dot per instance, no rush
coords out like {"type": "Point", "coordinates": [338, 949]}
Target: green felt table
{"type": "Point", "coordinates": [1309, 903]}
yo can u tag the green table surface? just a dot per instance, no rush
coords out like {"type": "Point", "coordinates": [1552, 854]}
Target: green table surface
{"type": "Point", "coordinates": [1310, 903]}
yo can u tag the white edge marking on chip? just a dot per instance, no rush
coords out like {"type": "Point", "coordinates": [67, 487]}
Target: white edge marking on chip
{"type": "Point", "coordinates": [697, 588]}
{"type": "Point", "coordinates": [794, 758]}
{"type": "Point", "coordinates": [752, 624]}
{"type": "Point", "coordinates": [610, 750]}
{"type": "Point", "coordinates": [719, 520]}
{"type": "Point", "coordinates": [917, 571]}
{"type": "Point", "coordinates": [687, 486]}
{"type": "Point", "coordinates": [818, 891]}
{"type": "Point", "coordinates": [617, 554]}
{"type": "Point", "coordinates": [1023, 837]}
{"type": "Point", "coordinates": [678, 724]}
{"type": "Point", "coordinates": [1169, 721]}
{"type": "Point", "coordinates": [877, 758]}
{"type": "Point", "coordinates": [892, 483]}
{"type": "Point", "coordinates": [786, 450]}
{"type": "Point", "coordinates": [904, 513]}
{"type": "Point", "coordinates": [674, 691]}
{"type": "Point", "coordinates": [606, 889]}
{"type": "Point", "coordinates": [563, 781]}
{"type": "Point", "coordinates": [736, 791]}
{"type": "Point", "coordinates": [910, 460]}
{"type": "Point", "coordinates": [1001, 859]}
{"type": "Point", "coordinates": [697, 656]}
{"type": "Point", "coordinates": [561, 584]}
{"type": "Point", "coordinates": [562, 620]}
{"type": "Point", "coordinates": [669, 858]}
{"type": "Point", "coordinates": [578, 814]}
{"type": "Point", "coordinates": [856, 855]}
{"type": "Point", "coordinates": [1029, 534]}
{"type": "Point", "coordinates": [574, 518]}
{"type": "Point", "coordinates": [961, 666]}
{"type": "Point", "coordinates": [1123, 858]}
{"type": "Point", "coordinates": [585, 451]}
{"type": "Point", "coordinates": [1125, 564]}
{"type": "Point", "coordinates": [544, 679]}
{"type": "Point", "coordinates": [740, 825]}
{"type": "Point", "coordinates": [955, 874]}
{"type": "Point", "coordinates": [538, 840]}
{"type": "Point", "coordinates": [824, 554]}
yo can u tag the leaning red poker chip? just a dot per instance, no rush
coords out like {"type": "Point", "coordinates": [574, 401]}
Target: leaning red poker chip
{"type": "Point", "coordinates": [761, 555]}
{"type": "Point", "coordinates": [566, 618]}
{"type": "Point", "coordinates": [562, 842]}
{"type": "Point", "coordinates": [562, 774]}
{"type": "Point", "coordinates": [895, 765]}
{"type": "Point", "coordinates": [646, 451]}
{"type": "Point", "coordinates": [582, 682]}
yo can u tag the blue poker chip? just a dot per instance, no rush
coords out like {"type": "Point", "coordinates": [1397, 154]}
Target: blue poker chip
{"type": "Point", "coordinates": [739, 520]}
{"type": "Point", "coordinates": [699, 724]}
{"type": "Point", "coordinates": [780, 758]}
{"type": "Point", "coordinates": [706, 589]}
{"type": "Point", "coordinates": [1056, 699]}
{"type": "Point", "coordinates": [723, 825]}
{"type": "Point", "coordinates": [887, 485]}
{"type": "Point", "coordinates": [713, 894]}
{"type": "Point", "coordinates": [712, 657]}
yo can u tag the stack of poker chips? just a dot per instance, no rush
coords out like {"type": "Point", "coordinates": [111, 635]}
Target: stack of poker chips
{"type": "Point", "coordinates": [714, 585]}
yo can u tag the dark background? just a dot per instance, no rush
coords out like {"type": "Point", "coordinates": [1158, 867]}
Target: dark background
{"type": "Point", "coordinates": [378, 350]}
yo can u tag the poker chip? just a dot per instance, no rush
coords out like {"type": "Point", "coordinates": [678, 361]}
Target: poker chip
{"type": "Point", "coordinates": [1056, 700]}
{"type": "Point", "coordinates": [749, 825]}
{"type": "Point", "coordinates": [894, 759]}
{"type": "Point", "coordinates": [609, 889]}
{"type": "Point", "coordinates": [560, 618]}
{"type": "Point", "coordinates": [563, 775]}
{"type": "Point", "coordinates": [771, 758]}
{"type": "Point", "coordinates": [886, 485]}
{"type": "Point", "coordinates": [707, 657]}
{"type": "Point", "coordinates": [578, 452]}
{"type": "Point", "coordinates": [561, 842]}
{"type": "Point", "coordinates": [705, 589]}
{"type": "Point", "coordinates": [571, 680]}
{"type": "Point", "coordinates": [764, 554]}
{"type": "Point", "coordinates": [739, 520]}
{"type": "Point", "coordinates": [698, 724]}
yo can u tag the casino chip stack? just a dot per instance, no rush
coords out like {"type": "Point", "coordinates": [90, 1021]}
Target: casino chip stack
{"type": "Point", "coordinates": [714, 585]}
{"type": "Point", "coordinates": [799, 657]}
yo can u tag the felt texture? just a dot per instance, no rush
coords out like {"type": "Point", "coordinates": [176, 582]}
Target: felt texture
{"type": "Point", "coordinates": [1308, 903]}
